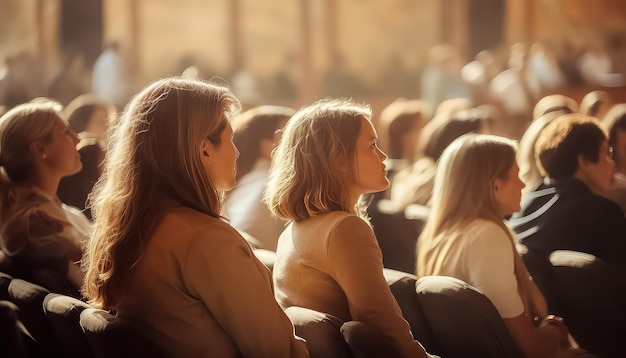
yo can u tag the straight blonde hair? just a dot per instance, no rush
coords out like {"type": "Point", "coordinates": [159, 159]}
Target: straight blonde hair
{"type": "Point", "coordinates": [305, 177]}
{"type": "Point", "coordinates": [152, 155]}
{"type": "Point", "coordinates": [463, 188]}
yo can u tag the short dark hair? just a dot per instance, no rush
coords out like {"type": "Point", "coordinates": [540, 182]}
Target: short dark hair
{"type": "Point", "coordinates": [564, 139]}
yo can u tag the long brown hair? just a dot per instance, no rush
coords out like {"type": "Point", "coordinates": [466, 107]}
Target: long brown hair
{"type": "Point", "coordinates": [152, 155]}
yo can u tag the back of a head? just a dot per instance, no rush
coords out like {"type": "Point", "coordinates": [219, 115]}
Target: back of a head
{"type": "Point", "coordinates": [79, 112]}
{"type": "Point", "coordinates": [614, 121]}
{"type": "Point", "coordinates": [526, 157]}
{"type": "Point", "coordinates": [153, 153]}
{"type": "Point", "coordinates": [158, 136]}
{"type": "Point", "coordinates": [554, 102]}
{"type": "Point", "coordinates": [562, 141]}
{"type": "Point", "coordinates": [251, 128]}
{"type": "Point", "coordinates": [595, 103]}
{"type": "Point", "coordinates": [19, 128]}
{"type": "Point", "coordinates": [305, 176]}
{"type": "Point", "coordinates": [458, 124]}
{"type": "Point", "coordinates": [397, 120]}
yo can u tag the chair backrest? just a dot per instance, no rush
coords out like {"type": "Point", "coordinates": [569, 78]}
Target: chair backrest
{"type": "Point", "coordinates": [63, 315]}
{"type": "Point", "coordinates": [5, 280]}
{"type": "Point", "coordinates": [111, 336]}
{"type": "Point", "coordinates": [14, 340]}
{"type": "Point", "coordinates": [9, 266]}
{"type": "Point", "coordinates": [321, 331]}
{"type": "Point", "coordinates": [28, 297]}
{"type": "Point", "coordinates": [593, 294]}
{"type": "Point", "coordinates": [396, 235]}
{"type": "Point", "coordinates": [45, 277]}
{"type": "Point", "coordinates": [464, 321]}
{"type": "Point", "coordinates": [538, 264]}
{"type": "Point", "coordinates": [402, 287]}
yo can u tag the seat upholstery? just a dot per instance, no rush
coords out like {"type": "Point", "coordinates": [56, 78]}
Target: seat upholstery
{"type": "Point", "coordinates": [63, 315]}
{"type": "Point", "coordinates": [465, 323]}
{"type": "Point", "coordinates": [321, 331]}
{"type": "Point", "coordinates": [538, 264]}
{"type": "Point", "coordinates": [111, 336]}
{"type": "Point", "coordinates": [593, 300]}
{"type": "Point", "coordinates": [28, 297]}
{"type": "Point", "coordinates": [15, 339]}
{"type": "Point", "coordinates": [402, 287]}
{"type": "Point", "coordinates": [45, 277]}
{"type": "Point", "coordinates": [396, 234]}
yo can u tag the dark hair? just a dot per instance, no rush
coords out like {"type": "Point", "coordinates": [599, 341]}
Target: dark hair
{"type": "Point", "coordinates": [564, 139]}
{"type": "Point", "coordinates": [251, 128]}
{"type": "Point", "coordinates": [460, 123]}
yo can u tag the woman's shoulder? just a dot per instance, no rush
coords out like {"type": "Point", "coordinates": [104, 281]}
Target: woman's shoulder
{"type": "Point", "coordinates": [187, 219]}
{"type": "Point", "coordinates": [483, 228]}
{"type": "Point", "coordinates": [485, 232]}
{"type": "Point", "coordinates": [337, 218]}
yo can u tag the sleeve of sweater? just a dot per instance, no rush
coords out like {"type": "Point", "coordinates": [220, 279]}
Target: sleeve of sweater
{"type": "Point", "coordinates": [356, 265]}
{"type": "Point", "coordinates": [238, 294]}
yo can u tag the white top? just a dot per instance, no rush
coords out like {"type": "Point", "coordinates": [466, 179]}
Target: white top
{"type": "Point", "coordinates": [247, 212]}
{"type": "Point", "coordinates": [482, 256]}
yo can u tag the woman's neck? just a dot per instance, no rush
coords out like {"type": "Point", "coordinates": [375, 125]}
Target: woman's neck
{"type": "Point", "coordinates": [49, 184]}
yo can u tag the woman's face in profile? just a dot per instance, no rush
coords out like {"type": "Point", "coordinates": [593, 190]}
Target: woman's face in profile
{"type": "Point", "coordinates": [60, 152]}
{"type": "Point", "coordinates": [508, 192]}
{"type": "Point", "coordinates": [221, 163]}
{"type": "Point", "coordinates": [369, 169]}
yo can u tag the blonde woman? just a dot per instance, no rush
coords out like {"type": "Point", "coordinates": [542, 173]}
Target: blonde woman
{"type": "Point", "coordinates": [328, 259]}
{"type": "Point", "coordinates": [476, 186]}
{"type": "Point", "coordinates": [37, 149]}
{"type": "Point", "coordinates": [161, 256]}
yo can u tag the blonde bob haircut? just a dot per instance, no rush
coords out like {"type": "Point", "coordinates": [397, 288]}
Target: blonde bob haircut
{"type": "Point", "coordinates": [464, 181]}
{"type": "Point", "coordinates": [153, 157]}
{"type": "Point", "coordinates": [305, 176]}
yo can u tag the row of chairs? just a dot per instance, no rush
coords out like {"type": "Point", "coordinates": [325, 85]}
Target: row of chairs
{"type": "Point", "coordinates": [587, 291]}
{"type": "Point", "coordinates": [47, 324]}
{"type": "Point", "coordinates": [449, 317]}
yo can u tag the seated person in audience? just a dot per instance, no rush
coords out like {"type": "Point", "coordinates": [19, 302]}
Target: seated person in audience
{"type": "Point", "coordinates": [528, 170]}
{"type": "Point", "coordinates": [75, 189]}
{"type": "Point", "coordinates": [596, 104]}
{"type": "Point", "coordinates": [414, 184]}
{"type": "Point", "coordinates": [37, 149]}
{"type": "Point", "coordinates": [328, 259]}
{"type": "Point", "coordinates": [567, 211]}
{"type": "Point", "coordinates": [160, 255]}
{"type": "Point", "coordinates": [466, 237]}
{"type": "Point", "coordinates": [615, 124]}
{"type": "Point", "coordinates": [255, 137]}
{"type": "Point", "coordinates": [88, 114]}
{"type": "Point", "coordinates": [400, 126]}
{"type": "Point", "coordinates": [554, 103]}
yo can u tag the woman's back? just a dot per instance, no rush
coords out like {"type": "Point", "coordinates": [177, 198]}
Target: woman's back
{"type": "Point", "coordinates": [185, 290]}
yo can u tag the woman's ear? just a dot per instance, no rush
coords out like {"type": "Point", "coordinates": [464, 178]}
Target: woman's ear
{"type": "Point", "coordinates": [37, 150]}
{"type": "Point", "coordinates": [205, 148]}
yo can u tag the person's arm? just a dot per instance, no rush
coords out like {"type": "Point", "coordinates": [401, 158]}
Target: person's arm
{"type": "Point", "coordinates": [537, 341]}
{"type": "Point", "coordinates": [356, 264]}
{"type": "Point", "coordinates": [221, 270]}
{"type": "Point", "coordinates": [490, 264]}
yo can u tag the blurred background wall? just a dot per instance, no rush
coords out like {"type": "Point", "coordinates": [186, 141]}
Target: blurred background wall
{"type": "Point", "coordinates": [379, 45]}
